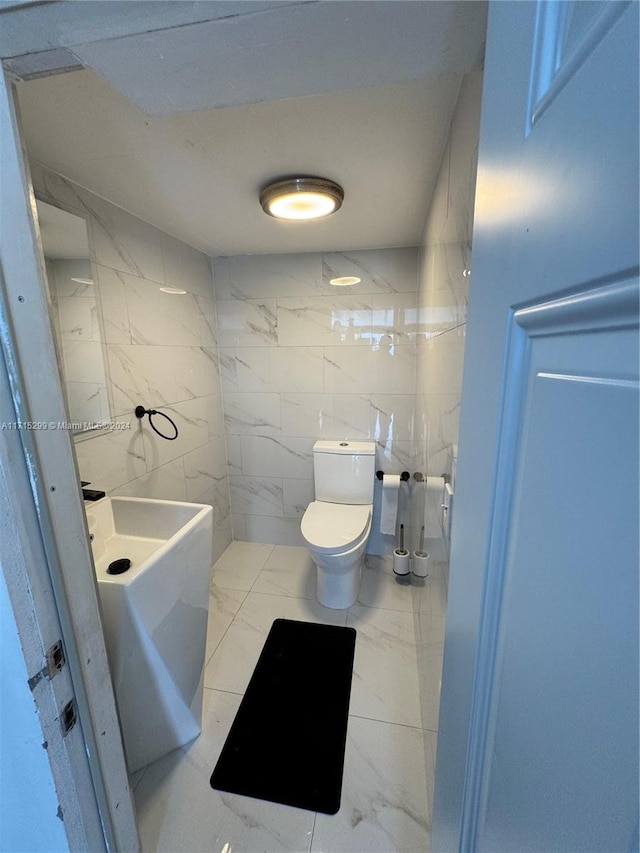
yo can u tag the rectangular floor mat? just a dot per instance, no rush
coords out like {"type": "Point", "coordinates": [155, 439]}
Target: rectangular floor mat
{"type": "Point", "coordinates": [288, 738]}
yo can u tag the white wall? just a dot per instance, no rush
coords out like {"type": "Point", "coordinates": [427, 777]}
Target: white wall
{"type": "Point", "coordinates": [161, 352]}
{"type": "Point", "coordinates": [443, 287]}
{"type": "Point", "coordinates": [302, 360]}
{"type": "Point", "coordinates": [442, 300]}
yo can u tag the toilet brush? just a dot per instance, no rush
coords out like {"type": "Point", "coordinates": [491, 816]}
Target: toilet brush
{"type": "Point", "coordinates": [420, 559]}
{"type": "Point", "coordinates": [401, 557]}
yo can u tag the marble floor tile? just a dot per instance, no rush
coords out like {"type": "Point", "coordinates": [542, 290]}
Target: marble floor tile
{"type": "Point", "coordinates": [223, 606]}
{"type": "Point", "coordinates": [430, 594]}
{"type": "Point", "coordinates": [379, 587]}
{"type": "Point", "coordinates": [383, 806]}
{"type": "Point", "coordinates": [234, 660]}
{"type": "Point", "coordinates": [430, 651]}
{"type": "Point", "coordinates": [288, 571]}
{"type": "Point", "coordinates": [385, 671]}
{"type": "Point", "coordinates": [438, 589]}
{"type": "Point", "coordinates": [387, 788]}
{"type": "Point", "coordinates": [240, 565]}
{"type": "Point", "coordinates": [178, 811]}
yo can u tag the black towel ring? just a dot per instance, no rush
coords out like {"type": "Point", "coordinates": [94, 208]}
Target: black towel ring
{"type": "Point", "coordinates": [141, 412]}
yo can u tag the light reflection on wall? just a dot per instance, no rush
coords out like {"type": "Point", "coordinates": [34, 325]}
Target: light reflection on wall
{"type": "Point", "coordinates": [505, 195]}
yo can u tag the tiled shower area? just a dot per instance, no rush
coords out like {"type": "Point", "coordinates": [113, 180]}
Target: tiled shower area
{"type": "Point", "coordinates": [257, 358]}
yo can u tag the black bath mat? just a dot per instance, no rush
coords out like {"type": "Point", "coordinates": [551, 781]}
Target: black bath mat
{"type": "Point", "coordinates": [287, 741]}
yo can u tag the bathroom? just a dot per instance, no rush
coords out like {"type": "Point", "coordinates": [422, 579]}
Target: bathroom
{"type": "Point", "coordinates": [272, 357]}
{"type": "Point", "coordinates": [259, 358]}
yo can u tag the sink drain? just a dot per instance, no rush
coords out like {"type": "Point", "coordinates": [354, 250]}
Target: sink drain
{"type": "Point", "coordinates": [119, 566]}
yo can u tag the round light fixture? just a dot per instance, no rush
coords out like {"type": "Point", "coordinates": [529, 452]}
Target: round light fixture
{"type": "Point", "coordinates": [301, 198]}
{"type": "Point", "coordinates": [345, 280]}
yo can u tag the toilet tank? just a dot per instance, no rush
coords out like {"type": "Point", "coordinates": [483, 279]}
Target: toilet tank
{"type": "Point", "coordinates": [344, 471]}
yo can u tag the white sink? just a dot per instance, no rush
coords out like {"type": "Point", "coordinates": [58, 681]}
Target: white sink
{"type": "Point", "coordinates": [155, 616]}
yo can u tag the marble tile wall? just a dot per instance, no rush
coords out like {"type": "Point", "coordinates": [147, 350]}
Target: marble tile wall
{"type": "Point", "coordinates": [162, 352]}
{"type": "Point", "coordinates": [302, 359]}
{"type": "Point", "coordinates": [444, 278]}
{"type": "Point", "coordinates": [445, 263]}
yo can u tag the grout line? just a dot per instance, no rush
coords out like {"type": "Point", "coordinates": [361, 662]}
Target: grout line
{"type": "Point", "coordinates": [446, 331]}
{"type": "Point", "coordinates": [261, 569]}
{"type": "Point", "coordinates": [313, 829]}
{"type": "Point", "coordinates": [220, 690]}
{"type": "Point", "coordinates": [389, 723]}
{"type": "Point", "coordinates": [391, 609]}
{"type": "Point", "coordinates": [282, 594]}
{"type": "Point", "coordinates": [134, 788]}
{"type": "Point", "coordinates": [230, 588]}
{"type": "Point", "coordinates": [224, 633]}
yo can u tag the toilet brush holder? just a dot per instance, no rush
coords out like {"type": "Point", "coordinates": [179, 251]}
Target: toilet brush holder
{"type": "Point", "coordinates": [401, 557]}
{"type": "Point", "coordinates": [420, 564]}
{"type": "Point", "coordinates": [401, 562]}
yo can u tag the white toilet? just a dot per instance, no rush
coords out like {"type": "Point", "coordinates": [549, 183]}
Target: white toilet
{"type": "Point", "coordinates": [336, 525]}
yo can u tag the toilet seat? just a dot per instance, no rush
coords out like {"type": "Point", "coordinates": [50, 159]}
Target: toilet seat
{"type": "Point", "coordinates": [331, 528]}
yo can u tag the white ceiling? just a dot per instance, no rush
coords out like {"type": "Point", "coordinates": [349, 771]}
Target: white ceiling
{"type": "Point", "coordinates": [183, 126]}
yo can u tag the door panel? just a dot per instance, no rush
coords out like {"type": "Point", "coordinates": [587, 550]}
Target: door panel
{"type": "Point", "coordinates": [538, 740]}
{"type": "Point", "coordinates": [561, 748]}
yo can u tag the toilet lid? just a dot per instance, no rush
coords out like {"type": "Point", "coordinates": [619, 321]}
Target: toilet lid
{"type": "Point", "coordinates": [334, 527]}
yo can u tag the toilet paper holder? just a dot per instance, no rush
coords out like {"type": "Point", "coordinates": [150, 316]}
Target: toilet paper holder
{"type": "Point", "coordinates": [404, 476]}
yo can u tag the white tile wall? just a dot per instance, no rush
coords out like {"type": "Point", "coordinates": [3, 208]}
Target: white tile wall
{"type": "Point", "coordinates": [161, 352]}
{"type": "Point", "coordinates": [326, 415]}
{"type": "Point", "coordinates": [325, 320]}
{"type": "Point", "coordinates": [443, 288]}
{"type": "Point", "coordinates": [442, 314]}
{"type": "Point", "coordinates": [381, 270]}
{"type": "Point", "coordinates": [301, 360]}
{"type": "Point", "coordinates": [257, 276]}
{"type": "Point", "coordinates": [156, 317]}
{"type": "Point", "coordinates": [112, 286]}
{"type": "Point", "coordinates": [249, 323]}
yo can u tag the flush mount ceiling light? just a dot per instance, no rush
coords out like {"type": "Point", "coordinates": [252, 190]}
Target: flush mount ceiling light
{"type": "Point", "coordinates": [345, 280]}
{"type": "Point", "coordinates": [301, 198]}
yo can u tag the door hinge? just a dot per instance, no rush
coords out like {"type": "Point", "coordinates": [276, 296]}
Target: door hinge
{"type": "Point", "coordinates": [68, 717]}
{"type": "Point", "coordinates": [55, 660]}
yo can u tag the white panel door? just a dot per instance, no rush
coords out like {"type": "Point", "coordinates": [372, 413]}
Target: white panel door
{"type": "Point", "coordinates": [557, 751]}
{"type": "Point", "coordinates": [538, 747]}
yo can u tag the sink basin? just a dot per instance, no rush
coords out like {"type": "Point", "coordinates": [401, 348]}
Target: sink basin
{"type": "Point", "coordinates": [155, 616]}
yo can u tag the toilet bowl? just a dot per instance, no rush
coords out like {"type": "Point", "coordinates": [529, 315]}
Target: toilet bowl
{"type": "Point", "coordinates": [337, 531]}
{"type": "Point", "coordinates": [336, 536]}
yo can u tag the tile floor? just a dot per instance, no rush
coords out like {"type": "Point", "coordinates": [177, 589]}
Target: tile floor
{"type": "Point", "coordinates": [389, 760]}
